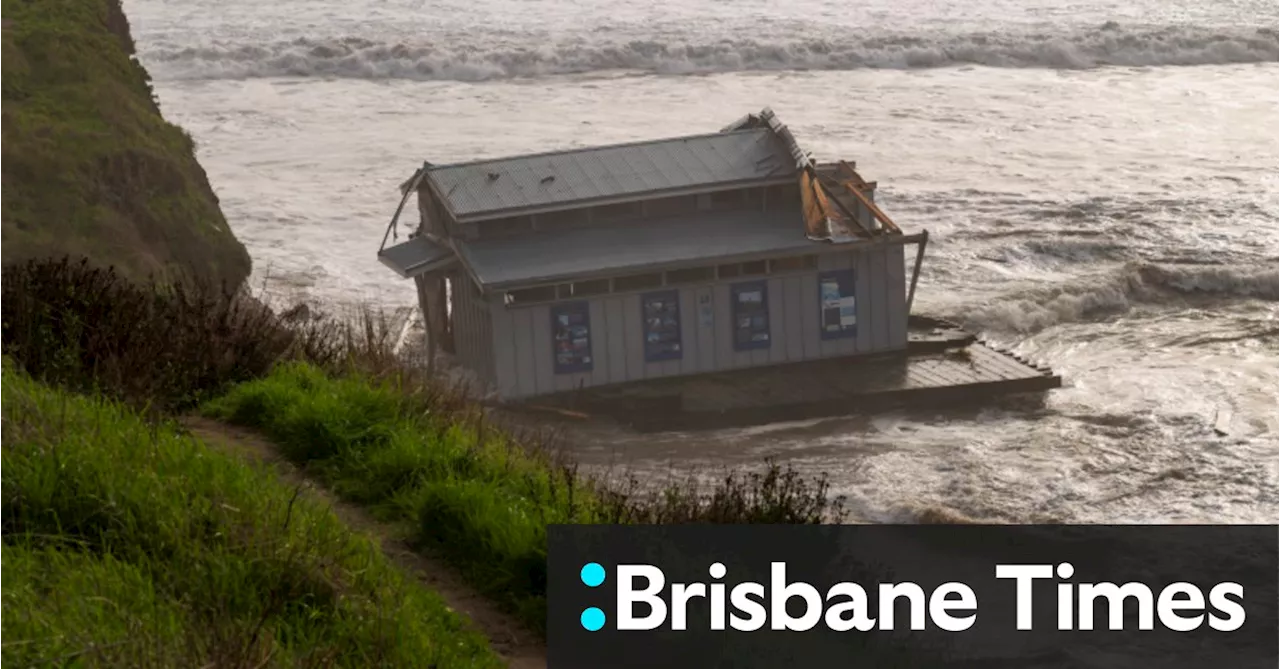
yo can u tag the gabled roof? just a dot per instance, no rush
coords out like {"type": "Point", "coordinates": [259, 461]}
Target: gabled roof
{"type": "Point", "coordinates": [510, 186]}
{"type": "Point", "coordinates": [756, 150]}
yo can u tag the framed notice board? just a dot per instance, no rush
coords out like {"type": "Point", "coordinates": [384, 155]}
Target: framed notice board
{"type": "Point", "coordinates": [750, 315]}
{"type": "Point", "coordinates": [660, 312]}
{"type": "Point", "coordinates": [838, 305]}
{"type": "Point", "coordinates": [571, 337]}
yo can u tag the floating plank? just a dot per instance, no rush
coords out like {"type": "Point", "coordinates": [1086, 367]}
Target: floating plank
{"type": "Point", "coordinates": [1222, 421]}
{"type": "Point", "coordinates": [578, 415]}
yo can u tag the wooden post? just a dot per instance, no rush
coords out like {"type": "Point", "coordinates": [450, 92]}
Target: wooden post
{"type": "Point", "coordinates": [424, 303]}
{"type": "Point", "coordinates": [915, 273]}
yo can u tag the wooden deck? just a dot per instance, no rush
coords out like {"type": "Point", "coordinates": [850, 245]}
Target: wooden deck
{"type": "Point", "coordinates": [856, 380]}
{"type": "Point", "coordinates": [941, 367]}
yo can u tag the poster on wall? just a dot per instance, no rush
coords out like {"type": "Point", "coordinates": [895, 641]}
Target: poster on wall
{"type": "Point", "coordinates": [839, 306]}
{"type": "Point", "coordinates": [571, 337]}
{"type": "Point", "coordinates": [750, 316]}
{"type": "Point", "coordinates": [661, 314]}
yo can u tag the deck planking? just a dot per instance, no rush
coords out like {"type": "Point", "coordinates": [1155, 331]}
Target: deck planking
{"type": "Point", "coordinates": [926, 378]}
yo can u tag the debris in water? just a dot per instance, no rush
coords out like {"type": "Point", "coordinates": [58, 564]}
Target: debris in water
{"type": "Point", "coordinates": [1222, 422]}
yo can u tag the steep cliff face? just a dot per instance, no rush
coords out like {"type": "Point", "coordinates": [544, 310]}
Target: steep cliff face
{"type": "Point", "coordinates": [90, 167]}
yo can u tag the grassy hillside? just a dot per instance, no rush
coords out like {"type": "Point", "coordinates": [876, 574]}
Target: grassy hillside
{"type": "Point", "coordinates": [89, 166]}
{"type": "Point", "coordinates": [122, 502]}
{"type": "Point", "coordinates": [333, 398]}
{"type": "Point", "coordinates": [474, 494]}
{"type": "Point", "coordinates": [129, 545]}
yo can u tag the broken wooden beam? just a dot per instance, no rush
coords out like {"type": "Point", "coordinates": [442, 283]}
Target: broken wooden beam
{"type": "Point", "coordinates": [1222, 421]}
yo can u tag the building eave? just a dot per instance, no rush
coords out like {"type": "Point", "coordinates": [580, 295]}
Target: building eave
{"type": "Point", "coordinates": [818, 248]}
{"type": "Point", "coordinates": [415, 257]}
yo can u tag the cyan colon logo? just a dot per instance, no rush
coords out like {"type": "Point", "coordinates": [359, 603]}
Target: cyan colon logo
{"type": "Point", "coordinates": [592, 576]}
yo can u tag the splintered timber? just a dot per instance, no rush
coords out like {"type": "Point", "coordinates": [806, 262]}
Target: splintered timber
{"type": "Point", "coordinates": [953, 607]}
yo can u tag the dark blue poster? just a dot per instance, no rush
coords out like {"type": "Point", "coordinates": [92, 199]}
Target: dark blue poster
{"type": "Point", "coordinates": [838, 304]}
{"type": "Point", "coordinates": [661, 313]}
{"type": "Point", "coordinates": [571, 337]}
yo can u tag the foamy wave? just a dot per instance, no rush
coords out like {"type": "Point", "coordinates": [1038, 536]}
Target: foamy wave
{"type": "Point", "coordinates": [360, 58]}
{"type": "Point", "coordinates": [1118, 291]}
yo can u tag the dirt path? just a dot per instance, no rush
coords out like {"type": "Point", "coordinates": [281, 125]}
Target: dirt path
{"type": "Point", "coordinates": [521, 648]}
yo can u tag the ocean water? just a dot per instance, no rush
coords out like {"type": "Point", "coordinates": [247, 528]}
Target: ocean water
{"type": "Point", "coordinates": [1099, 181]}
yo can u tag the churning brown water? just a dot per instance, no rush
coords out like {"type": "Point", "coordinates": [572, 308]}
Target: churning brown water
{"type": "Point", "coordinates": [1099, 182]}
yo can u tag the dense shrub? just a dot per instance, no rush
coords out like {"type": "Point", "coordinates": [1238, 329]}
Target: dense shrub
{"type": "Point", "coordinates": [168, 346]}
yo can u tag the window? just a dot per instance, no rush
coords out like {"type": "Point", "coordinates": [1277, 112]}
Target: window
{"type": "Point", "coordinates": [504, 227]}
{"type": "Point", "coordinates": [584, 288]}
{"type": "Point", "coordinates": [624, 284]}
{"type": "Point", "coordinates": [691, 275]}
{"type": "Point", "coordinates": [623, 211]}
{"type": "Point", "coordinates": [527, 295]}
{"type": "Point", "coordinates": [753, 268]}
{"type": "Point", "coordinates": [661, 314]}
{"type": "Point", "coordinates": [782, 198]}
{"type": "Point", "coordinates": [571, 337]}
{"type": "Point", "coordinates": [839, 306]}
{"type": "Point", "coordinates": [724, 200]}
{"type": "Point", "coordinates": [750, 316]}
{"type": "Point", "coordinates": [727, 199]}
{"type": "Point", "coordinates": [673, 206]}
{"type": "Point", "coordinates": [568, 219]}
{"type": "Point", "coordinates": [793, 264]}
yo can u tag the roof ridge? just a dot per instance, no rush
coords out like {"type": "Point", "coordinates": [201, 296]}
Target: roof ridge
{"type": "Point", "coordinates": [602, 147]}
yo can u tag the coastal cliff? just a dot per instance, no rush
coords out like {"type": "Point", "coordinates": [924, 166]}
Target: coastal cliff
{"type": "Point", "coordinates": [90, 167]}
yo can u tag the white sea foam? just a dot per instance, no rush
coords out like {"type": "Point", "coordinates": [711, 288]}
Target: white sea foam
{"type": "Point", "coordinates": [470, 58]}
{"type": "Point", "coordinates": [1118, 290]}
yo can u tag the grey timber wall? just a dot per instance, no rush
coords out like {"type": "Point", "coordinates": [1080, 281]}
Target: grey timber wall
{"type": "Point", "coordinates": [472, 328]}
{"type": "Point", "coordinates": [522, 363]}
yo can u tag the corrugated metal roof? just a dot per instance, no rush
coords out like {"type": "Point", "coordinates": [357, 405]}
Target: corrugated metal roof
{"type": "Point", "coordinates": [549, 179]}
{"type": "Point", "coordinates": [415, 256]}
{"type": "Point", "coordinates": [702, 238]}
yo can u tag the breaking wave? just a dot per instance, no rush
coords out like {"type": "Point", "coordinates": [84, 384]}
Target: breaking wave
{"type": "Point", "coordinates": [455, 59]}
{"type": "Point", "coordinates": [1116, 292]}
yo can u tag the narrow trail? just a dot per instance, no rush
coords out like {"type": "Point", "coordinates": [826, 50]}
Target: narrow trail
{"type": "Point", "coordinates": [519, 647]}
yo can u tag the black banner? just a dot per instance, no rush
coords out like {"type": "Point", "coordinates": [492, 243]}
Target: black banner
{"type": "Point", "coordinates": [748, 596]}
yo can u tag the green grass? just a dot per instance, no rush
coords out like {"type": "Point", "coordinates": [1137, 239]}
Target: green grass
{"type": "Point", "coordinates": [89, 165]}
{"type": "Point", "coordinates": [65, 603]}
{"type": "Point", "coordinates": [411, 448]}
{"type": "Point", "coordinates": [480, 497]}
{"type": "Point", "coordinates": [128, 544]}
{"type": "Point", "coordinates": [471, 495]}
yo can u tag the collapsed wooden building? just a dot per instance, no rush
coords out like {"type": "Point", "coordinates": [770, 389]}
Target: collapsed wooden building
{"type": "Point", "coordinates": [667, 258]}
